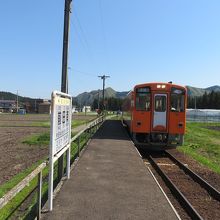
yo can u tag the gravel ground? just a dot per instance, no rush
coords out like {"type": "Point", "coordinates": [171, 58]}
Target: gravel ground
{"type": "Point", "coordinates": [206, 206]}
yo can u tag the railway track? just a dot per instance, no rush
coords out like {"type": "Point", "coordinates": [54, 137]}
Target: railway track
{"type": "Point", "coordinates": [195, 195]}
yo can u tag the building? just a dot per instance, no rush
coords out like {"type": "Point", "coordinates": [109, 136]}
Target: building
{"type": "Point", "coordinates": [44, 107]}
{"type": "Point", "coordinates": [8, 106]}
{"type": "Point", "coordinates": [86, 109]}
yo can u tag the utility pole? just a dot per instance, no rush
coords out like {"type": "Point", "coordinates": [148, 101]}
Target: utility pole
{"type": "Point", "coordinates": [35, 106]}
{"type": "Point", "coordinates": [64, 79]}
{"type": "Point", "coordinates": [103, 89]}
{"type": "Point", "coordinates": [98, 100]}
{"type": "Point", "coordinates": [195, 102]}
{"type": "Point", "coordinates": [17, 102]}
{"type": "Point", "coordinates": [67, 11]}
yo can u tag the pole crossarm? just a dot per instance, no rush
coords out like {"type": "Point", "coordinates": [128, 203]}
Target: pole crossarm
{"type": "Point", "coordinates": [103, 77]}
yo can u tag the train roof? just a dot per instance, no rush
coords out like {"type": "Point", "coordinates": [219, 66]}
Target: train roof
{"type": "Point", "coordinates": [159, 85]}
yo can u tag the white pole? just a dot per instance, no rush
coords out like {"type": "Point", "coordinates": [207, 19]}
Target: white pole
{"type": "Point", "coordinates": [50, 191]}
{"type": "Point", "coordinates": [51, 150]}
{"type": "Point", "coordinates": [68, 163]}
{"type": "Point", "coordinates": [69, 149]}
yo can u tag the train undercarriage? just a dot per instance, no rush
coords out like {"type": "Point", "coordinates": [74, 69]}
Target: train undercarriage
{"type": "Point", "coordinates": [158, 139]}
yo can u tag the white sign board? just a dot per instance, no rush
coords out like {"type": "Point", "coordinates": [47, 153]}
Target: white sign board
{"type": "Point", "coordinates": [60, 134]}
{"type": "Point", "coordinates": [61, 122]}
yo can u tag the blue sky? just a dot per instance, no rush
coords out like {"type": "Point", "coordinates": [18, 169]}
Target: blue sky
{"type": "Point", "coordinates": [132, 41]}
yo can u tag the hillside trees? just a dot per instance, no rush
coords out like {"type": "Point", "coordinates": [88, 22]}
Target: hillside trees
{"type": "Point", "coordinates": [112, 104]}
{"type": "Point", "coordinates": [207, 101]}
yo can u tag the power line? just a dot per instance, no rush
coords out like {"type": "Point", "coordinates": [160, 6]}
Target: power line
{"type": "Point", "coordinates": [102, 21]}
{"type": "Point", "coordinates": [85, 73]}
{"type": "Point", "coordinates": [82, 33]}
{"type": "Point", "coordinates": [103, 30]}
{"type": "Point", "coordinates": [77, 33]}
{"type": "Point", "coordinates": [82, 72]}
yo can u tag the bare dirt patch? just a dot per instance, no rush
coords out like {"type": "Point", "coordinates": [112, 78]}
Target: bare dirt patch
{"type": "Point", "coordinates": [16, 156]}
{"type": "Point", "coordinates": [215, 128]}
{"type": "Point", "coordinates": [14, 120]}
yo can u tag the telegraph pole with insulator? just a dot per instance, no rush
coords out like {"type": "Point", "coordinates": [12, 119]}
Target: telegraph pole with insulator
{"type": "Point", "coordinates": [98, 100]}
{"type": "Point", "coordinates": [64, 79]}
{"type": "Point", "coordinates": [104, 77]}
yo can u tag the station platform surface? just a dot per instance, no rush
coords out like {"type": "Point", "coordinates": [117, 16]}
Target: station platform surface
{"type": "Point", "coordinates": [110, 181]}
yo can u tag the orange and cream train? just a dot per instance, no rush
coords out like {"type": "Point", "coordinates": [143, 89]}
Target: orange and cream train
{"type": "Point", "coordinates": [155, 114]}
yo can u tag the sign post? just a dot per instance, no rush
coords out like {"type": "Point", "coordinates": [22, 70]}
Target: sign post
{"type": "Point", "coordinates": [60, 135]}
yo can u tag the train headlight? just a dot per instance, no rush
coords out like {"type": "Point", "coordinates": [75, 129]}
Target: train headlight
{"type": "Point", "coordinates": [161, 86]}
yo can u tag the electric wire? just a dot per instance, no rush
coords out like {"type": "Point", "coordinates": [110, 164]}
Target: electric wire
{"type": "Point", "coordinates": [85, 73]}
{"type": "Point", "coordinates": [82, 32]}
{"type": "Point", "coordinates": [102, 21]}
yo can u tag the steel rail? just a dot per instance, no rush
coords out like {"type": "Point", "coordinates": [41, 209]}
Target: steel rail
{"type": "Point", "coordinates": [176, 192]}
{"type": "Point", "coordinates": [210, 189]}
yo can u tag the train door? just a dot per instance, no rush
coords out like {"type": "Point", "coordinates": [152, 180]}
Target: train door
{"type": "Point", "coordinates": [159, 112]}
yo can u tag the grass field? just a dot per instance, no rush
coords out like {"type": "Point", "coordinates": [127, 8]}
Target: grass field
{"type": "Point", "coordinates": [31, 142]}
{"type": "Point", "coordinates": [202, 142]}
{"type": "Point", "coordinates": [24, 140]}
{"type": "Point", "coordinates": [6, 211]}
{"type": "Point", "coordinates": [44, 138]}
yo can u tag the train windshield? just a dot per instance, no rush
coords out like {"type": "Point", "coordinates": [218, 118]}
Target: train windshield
{"type": "Point", "coordinates": [143, 99]}
{"type": "Point", "coordinates": [177, 100]}
{"type": "Point", "coordinates": [160, 103]}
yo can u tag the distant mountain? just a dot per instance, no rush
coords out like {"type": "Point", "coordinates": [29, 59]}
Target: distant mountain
{"type": "Point", "coordinates": [213, 88]}
{"type": "Point", "coordinates": [193, 91]}
{"type": "Point", "coordinates": [87, 98]}
{"type": "Point", "coordinates": [12, 96]}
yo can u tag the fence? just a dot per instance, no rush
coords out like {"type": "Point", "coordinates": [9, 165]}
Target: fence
{"type": "Point", "coordinates": [203, 115]}
{"type": "Point", "coordinates": [41, 173]}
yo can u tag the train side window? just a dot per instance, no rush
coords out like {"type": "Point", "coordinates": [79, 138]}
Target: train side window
{"type": "Point", "coordinates": [160, 103]}
{"type": "Point", "coordinates": [143, 99]}
{"type": "Point", "coordinates": [177, 100]}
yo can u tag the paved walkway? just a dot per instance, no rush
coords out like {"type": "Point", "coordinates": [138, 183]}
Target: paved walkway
{"type": "Point", "coordinates": [110, 181]}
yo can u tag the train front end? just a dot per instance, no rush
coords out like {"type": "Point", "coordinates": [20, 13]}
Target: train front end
{"type": "Point", "coordinates": [158, 116]}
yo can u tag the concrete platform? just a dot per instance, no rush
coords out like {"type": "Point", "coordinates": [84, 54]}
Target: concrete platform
{"type": "Point", "coordinates": [110, 181]}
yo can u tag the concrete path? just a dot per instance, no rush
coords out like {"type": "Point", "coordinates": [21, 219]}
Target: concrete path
{"type": "Point", "coordinates": [110, 181]}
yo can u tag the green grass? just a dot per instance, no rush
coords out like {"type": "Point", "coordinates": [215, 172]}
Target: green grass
{"type": "Point", "coordinates": [44, 138]}
{"type": "Point", "coordinates": [203, 144]}
{"type": "Point", "coordinates": [16, 179]}
{"type": "Point", "coordinates": [5, 211]}
{"type": "Point", "coordinates": [40, 139]}
{"type": "Point", "coordinates": [43, 124]}
{"type": "Point", "coordinates": [46, 124]}
{"type": "Point", "coordinates": [76, 123]}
